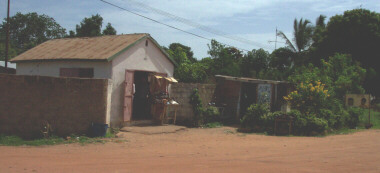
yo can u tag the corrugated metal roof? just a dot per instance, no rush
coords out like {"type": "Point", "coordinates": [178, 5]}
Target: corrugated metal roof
{"type": "Point", "coordinates": [250, 80]}
{"type": "Point", "coordinates": [85, 48]}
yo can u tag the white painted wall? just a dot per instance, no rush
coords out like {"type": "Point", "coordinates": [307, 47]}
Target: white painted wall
{"type": "Point", "coordinates": [51, 68]}
{"type": "Point", "coordinates": [138, 57]}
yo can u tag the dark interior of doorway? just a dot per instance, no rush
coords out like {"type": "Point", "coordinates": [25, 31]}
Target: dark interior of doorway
{"type": "Point", "coordinates": [141, 104]}
{"type": "Point", "coordinates": [248, 97]}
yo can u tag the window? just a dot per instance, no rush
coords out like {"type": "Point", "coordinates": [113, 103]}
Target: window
{"type": "Point", "coordinates": [146, 43]}
{"type": "Point", "coordinates": [363, 101]}
{"type": "Point", "coordinates": [350, 101]}
{"type": "Point", "coordinates": [77, 72]}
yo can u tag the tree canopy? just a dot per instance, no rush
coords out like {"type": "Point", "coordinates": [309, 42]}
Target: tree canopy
{"type": "Point", "coordinates": [28, 30]}
{"type": "Point", "coordinates": [109, 30]}
{"type": "Point", "coordinates": [90, 27]}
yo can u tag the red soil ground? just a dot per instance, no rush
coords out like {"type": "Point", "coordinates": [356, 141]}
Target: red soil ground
{"type": "Point", "coordinates": [203, 150]}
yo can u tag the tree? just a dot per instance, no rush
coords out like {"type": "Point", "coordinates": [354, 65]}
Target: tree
{"type": "Point", "coordinates": [109, 30]}
{"type": "Point", "coordinates": [302, 39]}
{"type": "Point", "coordinates": [31, 29]}
{"type": "Point", "coordinates": [301, 36]}
{"type": "Point", "coordinates": [356, 32]}
{"type": "Point", "coordinates": [254, 62]}
{"type": "Point", "coordinates": [11, 51]}
{"type": "Point", "coordinates": [90, 27]}
{"type": "Point", "coordinates": [225, 60]}
{"type": "Point", "coordinates": [71, 34]}
{"type": "Point", "coordinates": [186, 49]}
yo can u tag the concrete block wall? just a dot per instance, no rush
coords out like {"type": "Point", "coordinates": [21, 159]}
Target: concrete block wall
{"type": "Point", "coordinates": [69, 105]}
{"type": "Point", "coordinates": [181, 92]}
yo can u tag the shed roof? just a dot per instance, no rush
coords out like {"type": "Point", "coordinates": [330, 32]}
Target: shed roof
{"type": "Point", "coordinates": [84, 48]}
{"type": "Point", "coordinates": [250, 80]}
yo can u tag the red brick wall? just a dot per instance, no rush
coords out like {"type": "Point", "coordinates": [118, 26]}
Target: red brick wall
{"type": "Point", "coordinates": [68, 104]}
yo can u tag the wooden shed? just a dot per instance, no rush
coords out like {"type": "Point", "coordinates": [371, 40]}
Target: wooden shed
{"type": "Point", "coordinates": [236, 94]}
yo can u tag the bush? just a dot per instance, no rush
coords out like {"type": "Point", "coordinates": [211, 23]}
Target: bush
{"type": "Point", "coordinates": [196, 102]}
{"type": "Point", "coordinates": [210, 115]}
{"type": "Point", "coordinates": [309, 97]}
{"type": "Point", "coordinates": [353, 119]}
{"type": "Point", "coordinates": [308, 124]}
{"type": "Point", "coordinates": [252, 119]}
{"type": "Point", "coordinates": [316, 125]}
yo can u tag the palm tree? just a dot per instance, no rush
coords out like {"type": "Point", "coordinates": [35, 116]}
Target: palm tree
{"type": "Point", "coordinates": [302, 33]}
{"type": "Point", "coordinates": [302, 39]}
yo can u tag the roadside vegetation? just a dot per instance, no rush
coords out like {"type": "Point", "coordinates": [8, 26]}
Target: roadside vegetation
{"type": "Point", "coordinates": [54, 140]}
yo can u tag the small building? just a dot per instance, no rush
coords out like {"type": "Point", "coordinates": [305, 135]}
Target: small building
{"type": "Point", "coordinates": [128, 61]}
{"type": "Point", "coordinates": [236, 94]}
{"type": "Point", "coordinates": [357, 100]}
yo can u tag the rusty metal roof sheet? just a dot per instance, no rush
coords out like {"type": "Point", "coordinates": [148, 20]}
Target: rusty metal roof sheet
{"type": "Point", "coordinates": [251, 80]}
{"type": "Point", "coordinates": [85, 48]}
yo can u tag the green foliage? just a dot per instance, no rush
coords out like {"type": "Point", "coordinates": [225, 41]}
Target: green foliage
{"type": "Point", "coordinates": [191, 73]}
{"type": "Point", "coordinates": [90, 27]}
{"type": "Point", "coordinates": [109, 30]}
{"type": "Point", "coordinates": [11, 52]}
{"type": "Point", "coordinates": [225, 59]}
{"type": "Point", "coordinates": [252, 120]}
{"type": "Point", "coordinates": [354, 114]}
{"type": "Point", "coordinates": [29, 30]}
{"type": "Point", "coordinates": [187, 50]}
{"type": "Point", "coordinates": [203, 116]}
{"type": "Point", "coordinates": [17, 141]}
{"type": "Point", "coordinates": [213, 125]}
{"type": "Point", "coordinates": [196, 102]}
{"type": "Point", "coordinates": [308, 97]}
{"type": "Point", "coordinates": [340, 75]}
{"type": "Point", "coordinates": [253, 62]}
{"type": "Point", "coordinates": [211, 115]}
{"type": "Point", "coordinates": [188, 71]}
{"type": "Point", "coordinates": [356, 32]}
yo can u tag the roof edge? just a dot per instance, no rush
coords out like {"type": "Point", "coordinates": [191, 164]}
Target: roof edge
{"type": "Point", "coordinates": [147, 36]}
{"type": "Point", "coordinates": [162, 50]}
{"type": "Point", "coordinates": [126, 48]}
{"type": "Point", "coordinates": [51, 60]}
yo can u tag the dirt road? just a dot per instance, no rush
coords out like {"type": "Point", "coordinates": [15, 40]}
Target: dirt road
{"type": "Point", "coordinates": [203, 150]}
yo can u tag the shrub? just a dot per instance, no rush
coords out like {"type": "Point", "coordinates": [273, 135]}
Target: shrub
{"type": "Point", "coordinates": [316, 125]}
{"type": "Point", "coordinates": [252, 119]}
{"type": "Point", "coordinates": [268, 119]}
{"type": "Point", "coordinates": [309, 97]}
{"type": "Point", "coordinates": [210, 115]}
{"type": "Point", "coordinates": [196, 102]}
{"type": "Point", "coordinates": [353, 119]}
{"type": "Point", "coordinates": [308, 124]}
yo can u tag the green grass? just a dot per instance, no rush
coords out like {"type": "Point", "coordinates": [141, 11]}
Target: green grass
{"type": "Point", "coordinates": [213, 125]}
{"type": "Point", "coordinates": [17, 141]}
{"type": "Point", "coordinates": [375, 119]}
{"type": "Point", "coordinates": [82, 140]}
{"type": "Point", "coordinates": [363, 120]}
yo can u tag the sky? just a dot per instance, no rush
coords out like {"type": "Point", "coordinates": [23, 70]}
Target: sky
{"type": "Point", "coordinates": [252, 20]}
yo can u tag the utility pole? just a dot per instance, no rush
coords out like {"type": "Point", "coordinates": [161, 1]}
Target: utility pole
{"type": "Point", "coordinates": [7, 41]}
{"type": "Point", "coordinates": [275, 42]}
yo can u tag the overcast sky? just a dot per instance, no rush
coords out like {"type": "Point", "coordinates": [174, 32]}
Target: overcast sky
{"type": "Point", "coordinates": [254, 20]}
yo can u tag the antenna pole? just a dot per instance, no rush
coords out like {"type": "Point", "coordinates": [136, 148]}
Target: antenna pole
{"type": "Point", "coordinates": [7, 41]}
{"type": "Point", "coordinates": [275, 43]}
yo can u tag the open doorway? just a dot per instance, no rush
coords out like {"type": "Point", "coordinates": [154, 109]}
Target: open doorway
{"type": "Point", "coordinates": [248, 97]}
{"type": "Point", "coordinates": [141, 104]}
